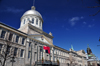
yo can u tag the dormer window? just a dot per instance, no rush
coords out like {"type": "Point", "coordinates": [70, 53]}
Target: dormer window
{"type": "Point", "coordinates": [36, 21]}
{"type": "Point", "coordinates": [32, 20]}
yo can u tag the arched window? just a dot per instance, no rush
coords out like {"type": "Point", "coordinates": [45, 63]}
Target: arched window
{"type": "Point", "coordinates": [24, 21]}
{"type": "Point", "coordinates": [28, 19]}
{"type": "Point", "coordinates": [36, 21]}
{"type": "Point", "coordinates": [32, 20]}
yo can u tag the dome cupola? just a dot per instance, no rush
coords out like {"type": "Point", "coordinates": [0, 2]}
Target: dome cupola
{"type": "Point", "coordinates": [33, 17]}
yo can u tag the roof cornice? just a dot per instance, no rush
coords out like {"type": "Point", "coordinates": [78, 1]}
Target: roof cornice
{"type": "Point", "coordinates": [2, 25]}
{"type": "Point", "coordinates": [40, 31]}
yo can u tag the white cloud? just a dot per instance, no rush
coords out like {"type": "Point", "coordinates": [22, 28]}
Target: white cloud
{"type": "Point", "coordinates": [73, 20]}
{"type": "Point", "coordinates": [67, 29]}
{"type": "Point", "coordinates": [82, 17]}
{"type": "Point", "coordinates": [90, 26]}
{"type": "Point", "coordinates": [12, 10]}
{"type": "Point", "coordinates": [84, 22]}
{"type": "Point", "coordinates": [72, 23]}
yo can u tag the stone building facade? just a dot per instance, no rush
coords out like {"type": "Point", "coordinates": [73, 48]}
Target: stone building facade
{"type": "Point", "coordinates": [28, 41]}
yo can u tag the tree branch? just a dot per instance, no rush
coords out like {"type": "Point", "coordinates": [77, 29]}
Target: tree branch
{"type": "Point", "coordinates": [1, 62]}
{"type": "Point", "coordinates": [93, 7]}
{"type": "Point", "coordinates": [1, 55]}
{"type": "Point", "coordinates": [95, 13]}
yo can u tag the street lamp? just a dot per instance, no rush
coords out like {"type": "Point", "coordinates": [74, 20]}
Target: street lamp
{"type": "Point", "coordinates": [12, 60]}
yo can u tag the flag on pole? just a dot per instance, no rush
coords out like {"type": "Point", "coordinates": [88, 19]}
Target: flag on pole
{"type": "Point", "coordinates": [47, 49]}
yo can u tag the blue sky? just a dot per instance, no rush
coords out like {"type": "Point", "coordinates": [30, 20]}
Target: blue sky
{"type": "Point", "coordinates": [68, 20]}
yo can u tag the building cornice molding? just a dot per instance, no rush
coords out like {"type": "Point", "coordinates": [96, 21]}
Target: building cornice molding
{"type": "Point", "coordinates": [31, 15]}
{"type": "Point", "coordinates": [40, 31]}
{"type": "Point", "coordinates": [61, 49]}
{"type": "Point", "coordinates": [12, 29]}
{"type": "Point", "coordinates": [40, 41]}
{"type": "Point", "coordinates": [39, 35]}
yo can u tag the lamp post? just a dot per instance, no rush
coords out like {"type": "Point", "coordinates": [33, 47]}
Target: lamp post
{"type": "Point", "coordinates": [12, 60]}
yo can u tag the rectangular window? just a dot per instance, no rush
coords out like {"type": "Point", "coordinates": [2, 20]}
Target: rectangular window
{"type": "Point", "coordinates": [35, 45]}
{"type": "Point", "coordinates": [29, 53]}
{"type": "Point", "coordinates": [3, 34]}
{"type": "Point", "coordinates": [23, 40]}
{"type": "Point", "coordinates": [34, 56]}
{"type": "Point", "coordinates": [22, 53]}
{"type": "Point", "coordinates": [8, 49]}
{"type": "Point", "coordinates": [15, 51]}
{"type": "Point", "coordinates": [10, 37]}
{"type": "Point", "coordinates": [28, 19]}
{"type": "Point", "coordinates": [36, 21]}
{"type": "Point", "coordinates": [24, 21]}
{"type": "Point", "coordinates": [17, 38]}
{"type": "Point", "coordinates": [29, 44]}
{"type": "Point", "coordinates": [0, 47]}
{"type": "Point", "coordinates": [41, 48]}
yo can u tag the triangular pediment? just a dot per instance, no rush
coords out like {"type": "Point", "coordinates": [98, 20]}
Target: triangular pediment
{"type": "Point", "coordinates": [41, 38]}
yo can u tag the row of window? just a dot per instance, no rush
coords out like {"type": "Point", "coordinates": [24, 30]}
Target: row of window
{"type": "Point", "coordinates": [29, 54]}
{"type": "Point", "coordinates": [10, 52]}
{"type": "Point", "coordinates": [60, 52]}
{"type": "Point", "coordinates": [35, 45]}
{"type": "Point", "coordinates": [28, 19]}
{"type": "Point", "coordinates": [11, 35]}
{"type": "Point", "coordinates": [61, 60]}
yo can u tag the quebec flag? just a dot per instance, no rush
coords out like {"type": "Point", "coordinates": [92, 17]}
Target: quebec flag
{"type": "Point", "coordinates": [47, 49]}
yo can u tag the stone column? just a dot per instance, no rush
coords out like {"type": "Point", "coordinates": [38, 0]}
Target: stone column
{"type": "Point", "coordinates": [44, 55]}
{"type": "Point", "coordinates": [83, 64]}
{"type": "Point", "coordinates": [0, 32]}
{"type": "Point", "coordinates": [6, 34]}
{"type": "Point", "coordinates": [50, 54]}
{"type": "Point", "coordinates": [14, 38]}
{"type": "Point", "coordinates": [33, 53]}
{"type": "Point", "coordinates": [53, 53]}
{"type": "Point", "coordinates": [20, 40]}
{"type": "Point", "coordinates": [38, 53]}
{"type": "Point", "coordinates": [95, 63]}
{"type": "Point", "coordinates": [70, 59]}
{"type": "Point", "coordinates": [35, 21]}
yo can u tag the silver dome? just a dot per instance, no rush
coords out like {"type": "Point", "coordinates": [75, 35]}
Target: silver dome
{"type": "Point", "coordinates": [32, 12]}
